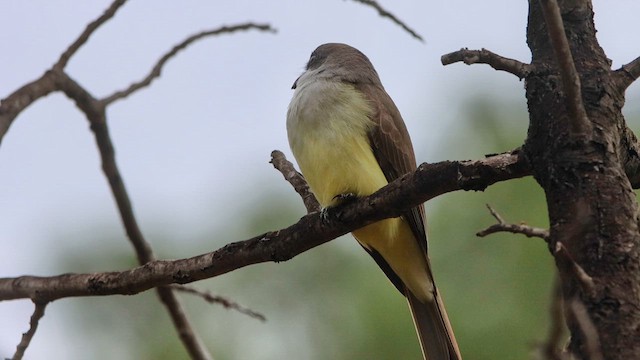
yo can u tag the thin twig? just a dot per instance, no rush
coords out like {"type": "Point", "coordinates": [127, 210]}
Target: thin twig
{"type": "Point", "coordinates": [190, 339]}
{"type": "Point", "coordinates": [580, 124]}
{"type": "Point", "coordinates": [588, 329]}
{"type": "Point", "coordinates": [503, 226]}
{"type": "Point", "coordinates": [296, 180]}
{"type": "Point", "coordinates": [584, 280]}
{"type": "Point", "coordinates": [88, 31]}
{"type": "Point", "coordinates": [484, 56]}
{"type": "Point", "coordinates": [390, 16]}
{"type": "Point", "coordinates": [628, 73]}
{"type": "Point", "coordinates": [554, 347]}
{"type": "Point", "coordinates": [217, 299]}
{"type": "Point", "coordinates": [38, 313]}
{"type": "Point", "coordinates": [157, 68]}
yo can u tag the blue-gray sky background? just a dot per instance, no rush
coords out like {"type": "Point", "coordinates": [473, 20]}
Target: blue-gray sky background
{"type": "Point", "coordinates": [194, 147]}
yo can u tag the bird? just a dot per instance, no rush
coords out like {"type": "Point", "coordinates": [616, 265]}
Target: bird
{"type": "Point", "coordinates": [349, 140]}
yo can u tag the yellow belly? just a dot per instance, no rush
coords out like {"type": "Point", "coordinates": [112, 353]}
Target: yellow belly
{"type": "Point", "coordinates": [331, 146]}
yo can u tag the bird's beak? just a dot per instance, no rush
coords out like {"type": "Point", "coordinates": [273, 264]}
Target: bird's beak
{"type": "Point", "coordinates": [295, 83]}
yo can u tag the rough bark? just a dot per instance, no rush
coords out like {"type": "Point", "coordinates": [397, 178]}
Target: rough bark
{"type": "Point", "coordinates": [593, 211]}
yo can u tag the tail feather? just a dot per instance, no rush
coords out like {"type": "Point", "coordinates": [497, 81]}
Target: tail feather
{"type": "Point", "coordinates": [434, 330]}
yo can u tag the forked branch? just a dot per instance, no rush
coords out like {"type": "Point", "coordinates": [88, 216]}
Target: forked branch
{"type": "Point", "coordinates": [503, 226]}
{"type": "Point", "coordinates": [484, 56]}
{"type": "Point", "coordinates": [56, 79]}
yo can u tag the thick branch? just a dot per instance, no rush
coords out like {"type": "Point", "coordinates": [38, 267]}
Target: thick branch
{"type": "Point", "coordinates": [38, 313]}
{"type": "Point", "coordinates": [157, 68]}
{"type": "Point", "coordinates": [580, 124]}
{"type": "Point", "coordinates": [296, 180]}
{"type": "Point", "coordinates": [593, 212]}
{"type": "Point", "coordinates": [429, 181]}
{"type": "Point", "coordinates": [88, 31]}
{"type": "Point", "coordinates": [484, 56]}
{"type": "Point", "coordinates": [627, 74]}
{"type": "Point", "coordinates": [384, 13]}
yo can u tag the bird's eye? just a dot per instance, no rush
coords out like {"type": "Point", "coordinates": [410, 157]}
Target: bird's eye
{"type": "Point", "coordinates": [316, 59]}
{"type": "Point", "coordinates": [311, 61]}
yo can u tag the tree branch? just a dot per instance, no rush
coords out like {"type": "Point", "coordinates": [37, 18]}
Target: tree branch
{"type": "Point", "coordinates": [502, 226]}
{"type": "Point", "coordinates": [484, 56]}
{"type": "Point", "coordinates": [580, 124]}
{"type": "Point", "coordinates": [88, 31]}
{"type": "Point", "coordinates": [566, 261]}
{"type": "Point", "coordinates": [95, 110]}
{"type": "Point", "coordinates": [553, 348]}
{"type": "Point", "coordinates": [630, 156]}
{"type": "Point", "coordinates": [390, 16]}
{"type": "Point", "coordinates": [591, 339]}
{"type": "Point", "coordinates": [190, 339]}
{"type": "Point", "coordinates": [216, 299]}
{"type": "Point", "coordinates": [296, 180]}
{"type": "Point", "coordinates": [427, 182]}
{"type": "Point", "coordinates": [157, 68]}
{"type": "Point", "coordinates": [96, 114]}
{"type": "Point", "coordinates": [20, 99]}
{"type": "Point", "coordinates": [627, 74]}
{"type": "Point", "coordinates": [43, 86]}
{"type": "Point", "coordinates": [593, 211]}
{"type": "Point", "coordinates": [38, 313]}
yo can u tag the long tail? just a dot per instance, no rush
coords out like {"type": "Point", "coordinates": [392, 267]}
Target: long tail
{"type": "Point", "coordinates": [434, 330]}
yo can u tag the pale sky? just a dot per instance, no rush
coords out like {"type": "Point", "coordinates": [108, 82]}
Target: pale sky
{"type": "Point", "coordinates": [198, 140]}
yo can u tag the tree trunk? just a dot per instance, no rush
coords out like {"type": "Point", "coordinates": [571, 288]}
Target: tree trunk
{"type": "Point", "coordinates": [593, 212]}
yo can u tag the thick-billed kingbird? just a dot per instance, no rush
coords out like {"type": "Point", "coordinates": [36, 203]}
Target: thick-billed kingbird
{"type": "Point", "coordinates": [349, 140]}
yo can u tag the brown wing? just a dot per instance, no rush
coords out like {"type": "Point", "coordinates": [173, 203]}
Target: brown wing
{"type": "Point", "coordinates": [392, 148]}
{"type": "Point", "coordinates": [384, 265]}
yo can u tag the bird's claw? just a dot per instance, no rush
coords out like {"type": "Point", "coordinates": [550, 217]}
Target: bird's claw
{"type": "Point", "coordinates": [340, 199]}
{"type": "Point", "coordinates": [346, 197]}
{"type": "Point", "coordinates": [324, 214]}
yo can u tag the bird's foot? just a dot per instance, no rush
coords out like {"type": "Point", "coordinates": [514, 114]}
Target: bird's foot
{"type": "Point", "coordinates": [339, 201]}
{"type": "Point", "coordinates": [344, 198]}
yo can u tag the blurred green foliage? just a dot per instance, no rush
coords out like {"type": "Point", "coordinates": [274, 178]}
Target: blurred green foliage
{"type": "Point", "coordinates": [333, 302]}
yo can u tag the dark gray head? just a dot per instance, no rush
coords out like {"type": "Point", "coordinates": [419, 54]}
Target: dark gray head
{"type": "Point", "coordinates": [341, 62]}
